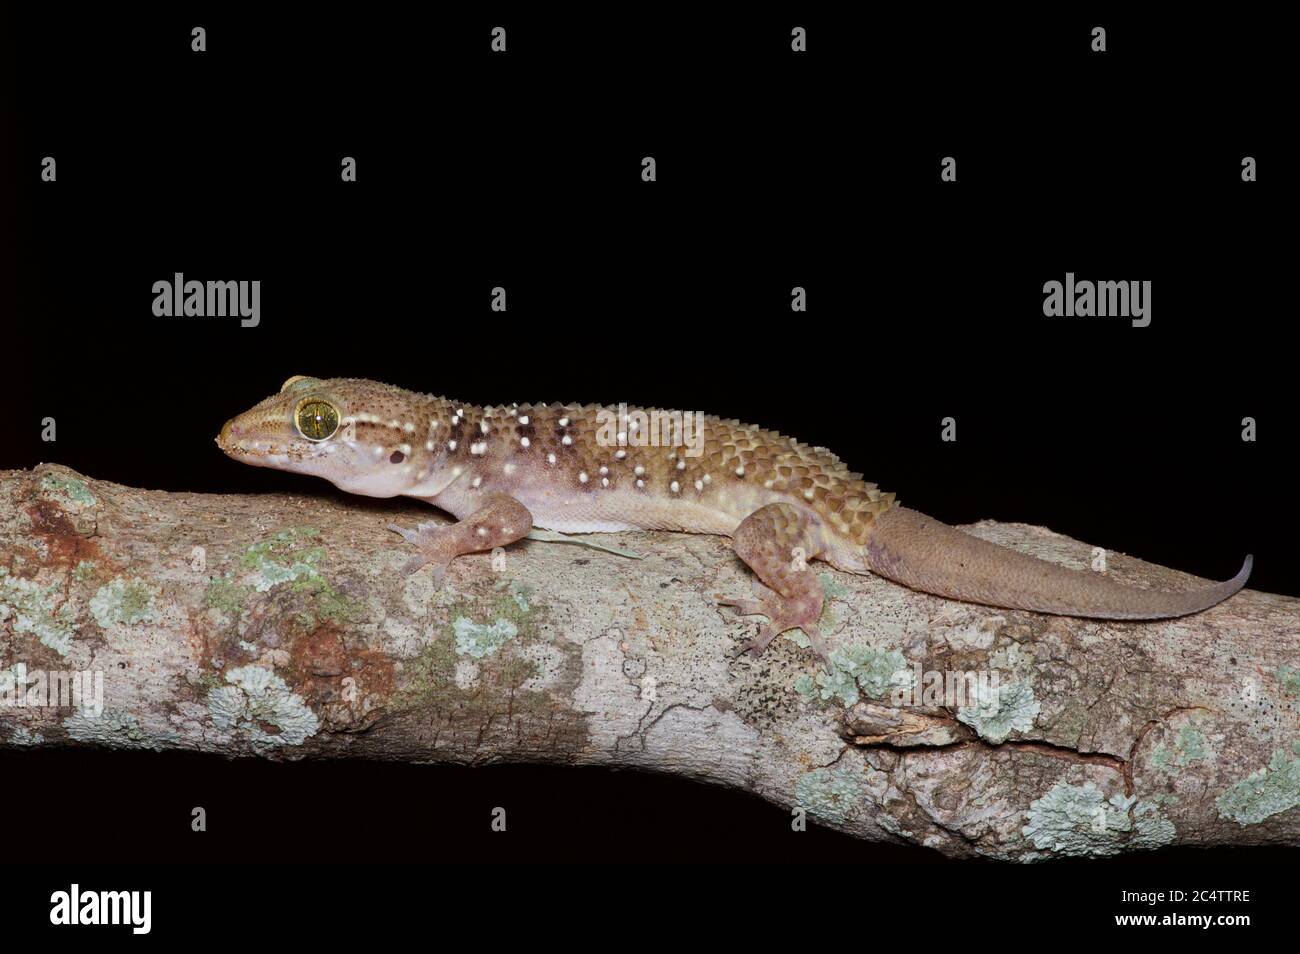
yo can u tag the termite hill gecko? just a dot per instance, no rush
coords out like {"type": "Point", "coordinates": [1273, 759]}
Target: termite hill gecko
{"type": "Point", "coordinates": [501, 471]}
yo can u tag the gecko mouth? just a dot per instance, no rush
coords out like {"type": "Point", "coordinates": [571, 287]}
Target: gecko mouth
{"type": "Point", "coordinates": [237, 445]}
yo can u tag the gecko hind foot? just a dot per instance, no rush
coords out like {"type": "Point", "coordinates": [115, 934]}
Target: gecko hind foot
{"type": "Point", "coordinates": [783, 614]}
{"type": "Point", "coordinates": [776, 542]}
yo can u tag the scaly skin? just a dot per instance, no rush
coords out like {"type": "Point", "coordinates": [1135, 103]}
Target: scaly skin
{"type": "Point", "coordinates": [502, 470]}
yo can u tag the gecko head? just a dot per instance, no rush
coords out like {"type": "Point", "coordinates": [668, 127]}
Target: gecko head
{"type": "Point", "coordinates": [310, 427]}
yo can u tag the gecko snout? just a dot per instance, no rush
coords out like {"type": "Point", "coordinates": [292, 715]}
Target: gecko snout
{"type": "Point", "coordinates": [233, 438]}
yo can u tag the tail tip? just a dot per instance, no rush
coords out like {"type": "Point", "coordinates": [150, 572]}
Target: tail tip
{"type": "Point", "coordinates": [1246, 567]}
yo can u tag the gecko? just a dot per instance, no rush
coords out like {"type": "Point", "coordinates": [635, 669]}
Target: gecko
{"type": "Point", "coordinates": [502, 471]}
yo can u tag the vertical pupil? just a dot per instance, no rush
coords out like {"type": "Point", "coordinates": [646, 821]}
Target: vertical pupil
{"type": "Point", "coordinates": [317, 420]}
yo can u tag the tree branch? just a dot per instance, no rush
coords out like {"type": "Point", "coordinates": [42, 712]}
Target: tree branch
{"type": "Point", "coordinates": [281, 626]}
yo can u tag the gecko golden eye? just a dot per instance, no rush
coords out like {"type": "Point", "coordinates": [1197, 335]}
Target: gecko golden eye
{"type": "Point", "coordinates": [317, 420]}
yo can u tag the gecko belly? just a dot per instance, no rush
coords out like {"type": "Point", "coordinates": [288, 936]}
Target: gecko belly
{"type": "Point", "coordinates": [621, 510]}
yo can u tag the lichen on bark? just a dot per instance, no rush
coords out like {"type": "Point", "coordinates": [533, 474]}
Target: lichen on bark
{"type": "Point", "coordinates": [263, 626]}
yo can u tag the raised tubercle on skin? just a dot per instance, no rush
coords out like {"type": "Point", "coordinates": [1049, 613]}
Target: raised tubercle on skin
{"type": "Point", "coordinates": [910, 548]}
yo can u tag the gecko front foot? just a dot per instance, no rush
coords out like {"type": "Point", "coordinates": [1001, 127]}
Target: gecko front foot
{"type": "Point", "coordinates": [500, 520]}
{"type": "Point", "coordinates": [434, 545]}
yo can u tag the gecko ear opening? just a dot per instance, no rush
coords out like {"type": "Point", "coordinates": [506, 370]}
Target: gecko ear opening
{"type": "Point", "coordinates": [294, 380]}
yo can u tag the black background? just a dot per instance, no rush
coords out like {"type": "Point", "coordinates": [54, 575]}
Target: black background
{"type": "Point", "coordinates": [774, 170]}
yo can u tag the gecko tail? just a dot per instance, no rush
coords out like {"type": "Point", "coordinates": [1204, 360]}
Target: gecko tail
{"type": "Point", "coordinates": [910, 548]}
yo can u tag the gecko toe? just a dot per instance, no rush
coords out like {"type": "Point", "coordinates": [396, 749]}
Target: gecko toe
{"type": "Point", "coordinates": [408, 535]}
{"type": "Point", "coordinates": [758, 645]}
{"type": "Point", "coordinates": [417, 563]}
{"type": "Point", "coordinates": [743, 607]}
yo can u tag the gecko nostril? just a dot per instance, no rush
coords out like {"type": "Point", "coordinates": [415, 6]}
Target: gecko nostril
{"type": "Point", "coordinates": [397, 457]}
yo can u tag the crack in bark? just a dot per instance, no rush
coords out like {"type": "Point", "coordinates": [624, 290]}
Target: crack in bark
{"type": "Point", "coordinates": [1124, 766]}
{"type": "Point", "coordinates": [1040, 746]}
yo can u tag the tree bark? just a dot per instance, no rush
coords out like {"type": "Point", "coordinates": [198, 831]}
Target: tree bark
{"type": "Point", "coordinates": [283, 627]}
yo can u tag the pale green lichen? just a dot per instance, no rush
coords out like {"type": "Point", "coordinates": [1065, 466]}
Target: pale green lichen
{"type": "Point", "coordinates": [42, 611]}
{"type": "Point", "coordinates": [256, 697]}
{"type": "Point", "coordinates": [25, 736]}
{"type": "Point", "coordinates": [1189, 746]}
{"type": "Point", "coordinates": [1160, 756]}
{"type": "Point", "coordinates": [83, 571]}
{"type": "Point", "coordinates": [125, 601]}
{"type": "Point", "coordinates": [1289, 680]}
{"type": "Point", "coordinates": [69, 488]}
{"type": "Point", "coordinates": [1000, 710]}
{"type": "Point", "coordinates": [113, 727]}
{"type": "Point", "coordinates": [1075, 820]}
{"type": "Point", "coordinates": [519, 593]}
{"type": "Point", "coordinates": [226, 596]}
{"type": "Point", "coordinates": [1265, 792]}
{"type": "Point", "coordinates": [481, 639]}
{"type": "Point", "coordinates": [279, 560]}
{"type": "Point", "coordinates": [285, 558]}
{"type": "Point", "coordinates": [857, 669]}
{"type": "Point", "coordinates": [833, 793]}
{"type": "Point", "coordinates": [435, 678]}
{"type": "Point", "coordinates": [834, 589]}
